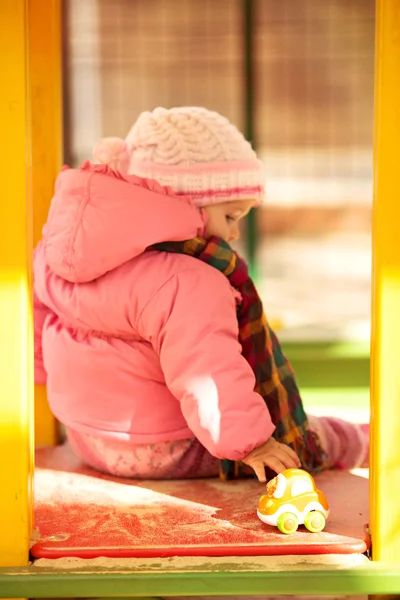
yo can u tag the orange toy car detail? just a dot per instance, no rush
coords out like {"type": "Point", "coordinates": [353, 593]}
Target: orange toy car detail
{"type": "Point", "coordinates": [292, 499]}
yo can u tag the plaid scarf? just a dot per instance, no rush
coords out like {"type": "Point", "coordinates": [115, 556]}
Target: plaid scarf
{"type": "Point", "coordinates": [275, 380]}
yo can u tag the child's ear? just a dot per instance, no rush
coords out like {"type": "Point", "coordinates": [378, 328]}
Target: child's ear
{"type": "Point", "coordinates": [114, 152]}
{"type": "Point", "coordinates": [205, 218]}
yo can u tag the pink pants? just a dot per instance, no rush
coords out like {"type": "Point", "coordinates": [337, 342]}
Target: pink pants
{"type": "Point", "coordinates": [346, 446]}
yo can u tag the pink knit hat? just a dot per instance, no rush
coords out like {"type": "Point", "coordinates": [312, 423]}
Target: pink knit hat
{"type": "Point", "coordinates": [194, 151]}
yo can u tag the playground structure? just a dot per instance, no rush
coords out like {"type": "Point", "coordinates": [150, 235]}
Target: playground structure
{"type": "Point", "coordinates": [31, 154]}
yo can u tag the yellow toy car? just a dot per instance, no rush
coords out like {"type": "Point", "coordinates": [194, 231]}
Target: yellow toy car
{"type": "Point", "coordinates": [292, 499]}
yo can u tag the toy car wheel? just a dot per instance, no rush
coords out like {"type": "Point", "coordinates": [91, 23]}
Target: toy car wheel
{"type": "Point", "coordinates": [315, 521]}
{"type": "Point", "coordinates": [287, 523]}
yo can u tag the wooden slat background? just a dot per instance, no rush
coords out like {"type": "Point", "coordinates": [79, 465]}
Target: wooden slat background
{"type": "Point", "coordinates": [313, 94]}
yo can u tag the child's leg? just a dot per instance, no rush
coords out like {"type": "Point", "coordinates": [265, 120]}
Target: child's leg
{"type": "Point", "coordinates": [346, 445]}
{"type": "Point", "coordinates": [180, 459]}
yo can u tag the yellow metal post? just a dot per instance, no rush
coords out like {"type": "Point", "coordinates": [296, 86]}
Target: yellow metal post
{"type": "Point", "coordinates": [46, 90]}
{"type": "Point", "coordinates": [385, 344]}
{"type": "Point", "coordinates": [16, 352]}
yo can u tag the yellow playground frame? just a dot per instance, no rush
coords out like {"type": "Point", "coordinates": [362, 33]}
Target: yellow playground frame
{"type": "Point", "coordinates": [30, 156]}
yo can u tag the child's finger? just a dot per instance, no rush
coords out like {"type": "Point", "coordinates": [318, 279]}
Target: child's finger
{"type": "Point", "coordinates": [259, 470]}
{"type": "Point", "coordinates": [275, 463]}
{"type": "Point", "coordinates": [290, 457]}
{"type": "Point", "coordinates": [289, 462]}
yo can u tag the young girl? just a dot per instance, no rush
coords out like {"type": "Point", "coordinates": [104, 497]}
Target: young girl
{"type": "Point", "coordinates": [149, 333]}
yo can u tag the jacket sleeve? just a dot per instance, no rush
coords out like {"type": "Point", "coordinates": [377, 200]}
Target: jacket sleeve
{"type": "Point", "coordinates": [40, 312]}
{"type": "Point", "coordinates": [192, 325]}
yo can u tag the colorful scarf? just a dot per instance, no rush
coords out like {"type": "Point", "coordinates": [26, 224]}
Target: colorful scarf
{"type": "Point", "coordinates": [275, 380]}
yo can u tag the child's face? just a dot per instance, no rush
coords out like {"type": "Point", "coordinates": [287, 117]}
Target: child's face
{"type": "Point", "coordinates": [224, 219]}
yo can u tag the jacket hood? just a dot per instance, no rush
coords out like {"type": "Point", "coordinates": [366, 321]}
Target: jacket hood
{"type": "Point", "coordinates": [100, 219]}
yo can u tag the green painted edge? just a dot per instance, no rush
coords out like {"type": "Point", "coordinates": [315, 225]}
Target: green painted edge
{"type": "Point", "coordinates": [374, 578]}
{"type": "Point", "coordinates": [328, 398]}
{"type": "Point", "coordinates": [326, 350]}
{"type": "Point", "coordinates": [344, 367]}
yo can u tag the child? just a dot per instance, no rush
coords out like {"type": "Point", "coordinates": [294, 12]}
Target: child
{"type": "Point", "coordinates": [156, 353]}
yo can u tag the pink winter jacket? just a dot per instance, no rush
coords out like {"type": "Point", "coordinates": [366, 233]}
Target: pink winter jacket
{"type": "Point", "coordinates": [137, 344]}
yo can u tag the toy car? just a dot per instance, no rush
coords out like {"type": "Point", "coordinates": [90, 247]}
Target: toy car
{"type": "Point", "coordinates": [292, 499]}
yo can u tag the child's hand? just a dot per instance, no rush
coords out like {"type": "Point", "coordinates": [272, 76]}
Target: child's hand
{"type": "Point", "coordinates": [274, 455]}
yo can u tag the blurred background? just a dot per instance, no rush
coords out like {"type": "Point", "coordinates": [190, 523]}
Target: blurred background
{"type": "Point", "coordinates": [296, 76]}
